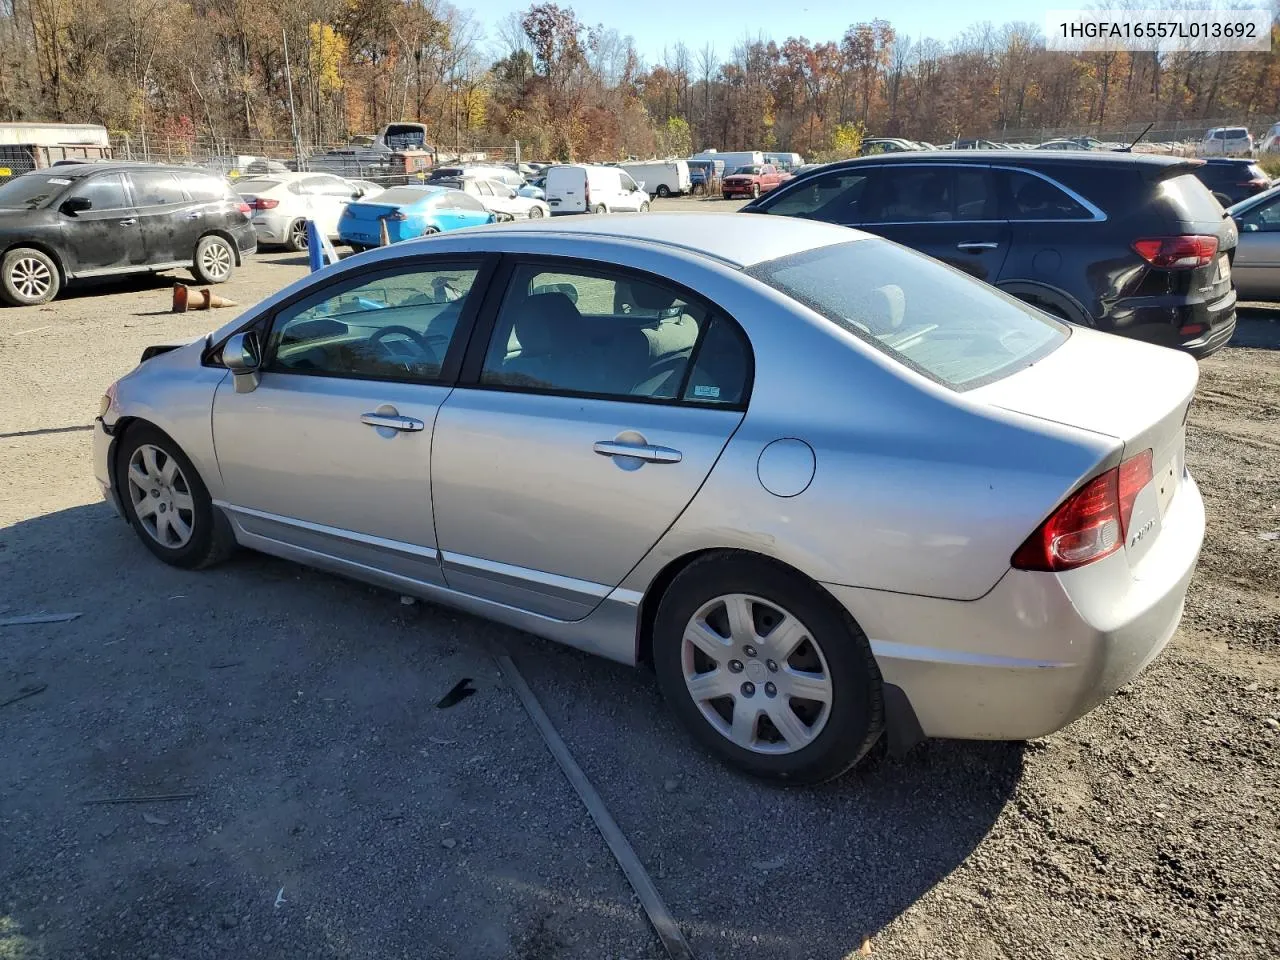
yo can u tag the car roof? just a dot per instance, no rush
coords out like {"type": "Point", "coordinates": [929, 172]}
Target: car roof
{"type": "Point", "coordinates": [74, 170]}
{"type": "Point", "coordinates": [743, 241]}
{"type": "Point", "coordinates": [1020, 157]}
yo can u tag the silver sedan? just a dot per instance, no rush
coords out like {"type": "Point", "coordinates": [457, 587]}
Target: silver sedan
{"type": "Point", "coordinates": [828, 488]}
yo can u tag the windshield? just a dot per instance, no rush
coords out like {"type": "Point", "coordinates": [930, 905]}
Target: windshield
{"type": "Point", "coordinates": [940, 322]}
{"type": "Point", "coordinates": [256, 186]}
{"type": "Point", "coordinates": [31, 191]}
{"type": "Point", "coordinates": [747, 170]}
{"type": "Point", "coordinates": [402, 195]}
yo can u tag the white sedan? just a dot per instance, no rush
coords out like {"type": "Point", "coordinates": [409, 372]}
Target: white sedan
{"type": "Point", "coordinates": [499, 198]}
{"type": "Point", "coordinates": [282, 203]}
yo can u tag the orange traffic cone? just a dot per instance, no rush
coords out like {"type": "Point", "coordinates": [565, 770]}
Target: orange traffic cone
{"type": "Point", "coordinates": [210, 300]}
{"type": "Point", "coordinates": [179, 298]}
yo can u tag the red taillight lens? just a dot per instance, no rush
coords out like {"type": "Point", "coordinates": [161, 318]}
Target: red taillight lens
{"type": "Point", "coordinates": [244, 208]}
{"type": "Point", "coordinates": [1257, 182]}
{"type": "Point", "coordinates": [1091, 523]}
{"type": "Point", "coordinates": [397, 216]}
{"type": "Point", "coordinates": [261, 203]}
{"type": "Point", "coordinates": [1177, 253]}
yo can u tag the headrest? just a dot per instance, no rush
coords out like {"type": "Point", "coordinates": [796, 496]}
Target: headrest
{"type": "Point", "coordinates": [545, 319]}
{"type": "Point", "coordinates": [885, 308]}
{"type": "Point", "coordinates": [647, 296]}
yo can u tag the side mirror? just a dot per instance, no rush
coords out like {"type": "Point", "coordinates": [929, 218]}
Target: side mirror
{"type": "Point", "coordinates": [243, 356]}
{"type": "Point", "coordinates": [73, 205]}
{"type": "Point", "coordinates": [1250, 228]}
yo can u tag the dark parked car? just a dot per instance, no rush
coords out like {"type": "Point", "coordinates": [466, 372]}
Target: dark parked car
{"type": "Point", "coordinates": [1232, 180]}
{"type": "Point", "coordinates": [103, 219]}
{"type": "Point", "coordinates": [1131, 244]}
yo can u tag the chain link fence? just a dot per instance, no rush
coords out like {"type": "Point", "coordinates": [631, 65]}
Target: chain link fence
{"type": "Point", "coordinates": [1175, 136]}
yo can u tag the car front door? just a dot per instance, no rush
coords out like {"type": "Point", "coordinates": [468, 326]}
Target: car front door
{"type": "Point", "coordinates": [105, 237]}
{"type": "Point", "coordinates": [328, 459]}
{"type": "Point", "coordinates": [579, 432]}
{"type": "Point", "coordinates": [171, 223]}
{"type": "Point", "coordinates": [950, 212]}
{"type": "Point", "coordinates": [326, 198]}
{"type": "Point", "coordinates": [1256, 267]}
{"type": "Point", "coordinates": [632, 195]}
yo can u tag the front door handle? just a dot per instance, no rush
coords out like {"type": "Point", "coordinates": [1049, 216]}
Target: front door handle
{"type": "Point", "coordinates": [129, 223]}
{"type": "Point", "coordinates": [392, 422]}
{"type": "Point", "coordinates": [195, 216]}
{"type": "Point", "coordinates": [641, 451]}
{"type": "Point", "coordinates": [975, 246]}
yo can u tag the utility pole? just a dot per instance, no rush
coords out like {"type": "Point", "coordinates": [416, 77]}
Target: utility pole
{"type": "Point", "coordinates": [293, 115]}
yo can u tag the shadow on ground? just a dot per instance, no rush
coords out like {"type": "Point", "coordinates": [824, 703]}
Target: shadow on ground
{"type": "Point", "coordinates": [1257, 325]}
{"type": "Point", "coordinates": [298, 711]}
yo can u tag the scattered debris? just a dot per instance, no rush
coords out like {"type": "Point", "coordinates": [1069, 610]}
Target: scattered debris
{"type": "Point", "coordinates": [1270, 535]}
{"type": "Point", "coordinates": [152, 819]}
{"type": "Point", "coordinates": [448, 843]}
{"type": "Point", "coordinates": [441, 742]}
{"type": "Point", "coordinates": [223, 666]}
{"type": "Point", "coordinates": [30, 690]}
{"type": "Point", "coordinates": [280, 898]}
{"type": "Point", "coordinates": [671, 785]}
{"type": "Point", "coordinates": [865, 949]}
{"type": "Point", "coordinates": [408, 601]}
{"type": "Point", "coordinates": [38, 618]}
{"type": "Point", "coordinates": [460, 691]}
{"type": "Point", "coordinates": [150, 798]}
{"type": "Point", "coordinates": [764, 866]}
{"type": "Point", "coordinates": [1272, 723]}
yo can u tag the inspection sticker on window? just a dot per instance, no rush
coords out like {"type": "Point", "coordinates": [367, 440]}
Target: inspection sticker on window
{"type": "Point", "coordinates": [59, 181]}
{"type": "Point", "coordinates": [711, 393]}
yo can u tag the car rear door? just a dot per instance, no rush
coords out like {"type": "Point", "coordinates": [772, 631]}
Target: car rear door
{"type": "Point", "coordinates": [171, 222]}
{"type": "Point", "coordinates": [328, 459]}
{"type": "Point", "coordinates": [1256, 267]}
{"type": "Point", "coordinates": [106, 237]}
{"type": "Point", "coordinates": [948, 211]}
{"type": "Point", "coordinates": [575, 438]}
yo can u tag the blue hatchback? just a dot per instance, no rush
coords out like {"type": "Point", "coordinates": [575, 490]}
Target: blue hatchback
{"type": "Point", "coordinates": [409, 212]}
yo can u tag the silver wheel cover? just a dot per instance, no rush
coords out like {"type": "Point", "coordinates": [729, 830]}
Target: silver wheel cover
{"type": "Point", "coordinates": [161, 497]}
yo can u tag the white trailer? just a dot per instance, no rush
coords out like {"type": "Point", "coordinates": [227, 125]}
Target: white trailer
{"type": "Point", "coordinates": [733, 159]}
{"type": "Point", "coordinates": [661, 178]}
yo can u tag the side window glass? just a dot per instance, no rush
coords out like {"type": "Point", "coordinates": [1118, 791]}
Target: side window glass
{"type": "Point", "coordinates": [910, 195]}
{"type": "Point", "coordinates": [393, 327]}
{"type": "Point", "coordinates": [104, 193]}
{"type": "Point", "coordinates": [155, 188]}
{"type": "Point", "coordinates": [723, 367]}
{"type": "Point", "coordinates": [484, 188]}
{"type": "Point", "coordinates": [1034, 198]}
{"type": "Point", "coordinates": [833, 197]}
{"type": "Point", "coordinates": [596, 333]}
{"type": "Point", "coordinates": [974, 197]}
{"type": "Point", "coordinates": [465, 202]}
{"type": "Point", "coordinates": [1262, 219]}
{"type": "Point", "coordinates": [206, 189]}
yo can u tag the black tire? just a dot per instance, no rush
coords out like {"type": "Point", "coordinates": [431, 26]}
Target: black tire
{"type": "Point", "coordinates": [210, 250]}
{"type": "Point", "coordinates": [298, 240]}
{"type": "Point", "coordinates": [535, 213]}
{"type": "Point", "coordinates": [644, 207]}
{"type": "Point", "coordinates": [28, 277]}
{"type": "Point", "coordinates": [211, 540]}
{"type": "Point", "coordinates": [358, 247]}
{"type": "Point", "coordinates": [664, 191]}
{"type": "Point", "coordinates": [599, 208]}
{"type": "Point", "coordinates": [856, 718]}
{"type": "Point", "coordinates": [755, 191]}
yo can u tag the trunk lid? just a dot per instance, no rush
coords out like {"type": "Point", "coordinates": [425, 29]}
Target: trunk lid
{"type": "Point", "coordinates": [1137, 393]}
{"type": "Point", "coordinates": [370, 211]}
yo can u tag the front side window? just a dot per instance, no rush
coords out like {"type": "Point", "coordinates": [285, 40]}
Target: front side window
{"type": "Point", "coordinates": [1029, 197]}
{"type": "Point", "coordinates": [615, 336]}
{"type": "Point", "coordinates": [1263, 218]}
{"type": "Point", "coordinates": [832, 197]}
{"type": "Point", "coordinates": [627, 182]}
{"type": "Point", "coordinates": [155, 188]}
{"type": "Point", "coordinates": [103, 192]}
{"type": "Point", "coordinates": [926, 194]}
{"type": "Point", "coordinates": [942, 323]}
{"type": "Point", "coordinates": [394, 327]}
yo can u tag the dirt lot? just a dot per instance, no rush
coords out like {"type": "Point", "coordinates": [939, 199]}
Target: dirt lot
{"type": "Point", "coordinates": [335, 811]}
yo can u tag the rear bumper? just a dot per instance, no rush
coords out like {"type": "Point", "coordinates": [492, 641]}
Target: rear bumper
{"type": "Point", "coordinates": [1210, 323]}
{"type": "Point", "coordinates": [1039, 650]}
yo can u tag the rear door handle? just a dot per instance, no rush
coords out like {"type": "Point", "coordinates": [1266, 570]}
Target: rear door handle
{"type": "Point", "coordinates": [392, 422]}
{"type": "Point", "coordinates": [195, 216]}
{"type": "Point", "coordinates": [975, 246]}
{"type": "Point", "coordinates": [129, 223]}
{"type": "Point", "coordinates": [641, 451]}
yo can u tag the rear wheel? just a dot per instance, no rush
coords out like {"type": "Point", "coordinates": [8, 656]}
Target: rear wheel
{"type": "Point", "coordinates": [644, 207]}
{"type": "Point", "coordinates": [766, 670]}
{"type": "Point", "coordinates": [535, 213]}
{"type": "Point", "coordinates": [167, 503]}
{"type": "Point", "coordinates": [599, 208]}
{"type": "Point", "coordinates": [28, 277]}
{"type": "Point", "coordinates": [755, 191]}
{"type": "Point", "coordinates": [664, 191]}
{"type": "Point", "coordinates": [298, 239]}
{"type": "Point", "coordinates": [215, 261]}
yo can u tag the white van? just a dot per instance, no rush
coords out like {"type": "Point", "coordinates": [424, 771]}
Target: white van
{"type": "Point", "coordinates": [582, 188]}
{"type": "Point", "coordinates": [785, 161]}
{"type": "Point", "coordinates": [661, 178]}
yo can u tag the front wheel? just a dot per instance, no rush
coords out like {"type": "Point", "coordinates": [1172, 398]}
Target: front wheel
{"type": "Point", "coordinates": [767, 670]}
{"type": "Point", "coordinates": [215, 261]}
{"type": "Point", "coordinates": [664, 191]}
{"type": "Point", "coordinates": [28, 277]}
{"type": "Point", "coordinates": [755, 191]}
{"type": "Point", "coordinates": [298, 239]}
{"type": "Point", "coordinates": [167, 503]}
{"type": "Point", "coordinates": [644, 207]}
{"type": "Point", "coordinates": [535, 213]}
{"type": "Point", "coordinates": [599, 208]}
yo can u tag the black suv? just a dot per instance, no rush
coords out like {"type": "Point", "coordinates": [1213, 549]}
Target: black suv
{"type": "Point", "coordinates": [1231, 180]}
{"type": "Point", "coordinates": [102, 219]}
{"type": "Point", "coordinates": [1127, 243]}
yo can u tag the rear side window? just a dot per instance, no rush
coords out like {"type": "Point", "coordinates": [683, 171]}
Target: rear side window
{"type": "Point", "coordinates": [1190, 199]}
{"type": "Point", "coordinates": [155, 188]}
{"type": "Point", "coordinates": [952, 328]}
{"type": "Point", "coordinates": [1028, 197]}
{"type": "Point", "coordinates": [206, 189]}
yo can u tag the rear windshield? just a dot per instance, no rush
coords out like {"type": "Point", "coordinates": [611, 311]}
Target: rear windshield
{"type": "Point", "coordinates": [1191, 199]}
{"type": "Point", "coordinates": [942, 323]}
{"type": "Point", "coordinates": [401, 195]}
{"type": "Point", "coordinates": [31, 191]}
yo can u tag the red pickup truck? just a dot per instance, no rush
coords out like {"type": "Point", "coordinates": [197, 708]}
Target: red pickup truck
{"type": "Point", "coordinates": [753, 180]}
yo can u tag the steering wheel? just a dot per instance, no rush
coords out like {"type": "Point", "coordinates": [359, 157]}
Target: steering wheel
{"type": "Point", "coordinates": [428, 354]}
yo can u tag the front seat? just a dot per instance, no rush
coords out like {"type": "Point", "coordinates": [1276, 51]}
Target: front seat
{"type": "Point", "coordinates": [548, 328]}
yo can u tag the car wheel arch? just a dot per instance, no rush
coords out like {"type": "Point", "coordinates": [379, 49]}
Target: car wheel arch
{"type": "Point", "coordinates": [224, 235]}
{"type": "Point", "coordinates": [120, 431]}
{"type": "Point", "coordinates": [44, 248]}
{"type": "Point", "coordinates": [1051, 298]}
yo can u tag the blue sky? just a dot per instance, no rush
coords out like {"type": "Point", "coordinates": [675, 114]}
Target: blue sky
{"type": "Point", "coordinates": [655, 23]}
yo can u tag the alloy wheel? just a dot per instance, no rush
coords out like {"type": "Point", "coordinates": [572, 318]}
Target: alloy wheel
{"type": "Point", "coordinates": [757, 674]}
{"type": "Point", "coordinates": [161, 497]}
{"type": "Point", "coordinates": [31, 278]}
{"type": "Point", "coordinates": [298, 235]}
{"type": "Point", "coordinates": [216, 260]}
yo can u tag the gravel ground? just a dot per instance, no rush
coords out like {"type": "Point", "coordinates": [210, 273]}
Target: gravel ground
{"type": "Point", "coordinates": [337, 812]}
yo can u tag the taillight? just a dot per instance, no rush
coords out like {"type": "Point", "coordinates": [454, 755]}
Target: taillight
{"type": "Point", "coordinates": [262, 203]}
{"type": "Point", "coordinates": [1177, 253]}
{"type": "Point", "coordinates": [1091, 523]}
{"type": "Point", "coordinates": [1256, 182]}
{"type": "Point", "coordinates": [397, 216]}
{"type": "Point", "coordinates": [244, 208]}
